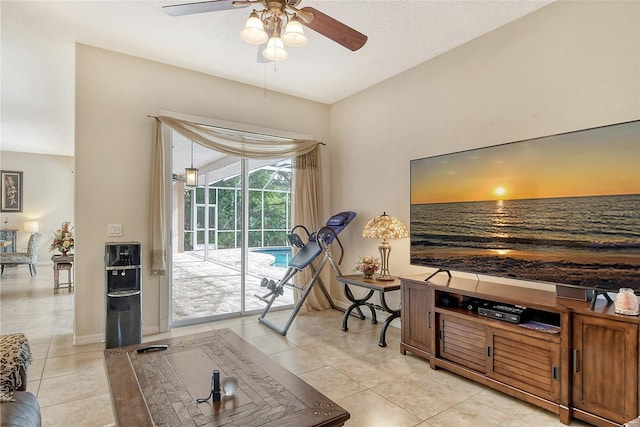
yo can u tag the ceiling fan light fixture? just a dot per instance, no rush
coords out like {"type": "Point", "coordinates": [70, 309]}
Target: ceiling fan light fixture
{"type": "Point", "coordinates": [253, 31]}
{"type": "Point", "coordinates": [275, 49]}
{"type": "Point", "coordinates": [294, 34]}
{"type": "Point", "coordinates": [271, 18]}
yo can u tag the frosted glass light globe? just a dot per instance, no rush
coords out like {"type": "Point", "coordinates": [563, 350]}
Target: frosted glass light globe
{"type": "Point", "coordinates": [275, 49]}
{"type": "Point", "coordinates": [253, 31]}
{"type": "Point", "coordinates": [294, 34]}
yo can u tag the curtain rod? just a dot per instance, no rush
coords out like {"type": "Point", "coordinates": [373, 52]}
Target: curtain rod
{"type": "Point", "coordinates": [235, 130]}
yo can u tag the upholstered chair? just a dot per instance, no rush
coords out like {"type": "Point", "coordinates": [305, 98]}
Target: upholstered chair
{"type": "Point", "coordinates": [30, 257]}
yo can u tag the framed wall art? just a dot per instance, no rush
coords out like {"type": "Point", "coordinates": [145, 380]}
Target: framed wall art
{"type": "Point", "coordinates": [11, 191]}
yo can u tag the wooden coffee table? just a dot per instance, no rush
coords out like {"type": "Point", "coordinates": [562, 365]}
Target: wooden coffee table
{"type": "Point", "coordinates": [161, 387]}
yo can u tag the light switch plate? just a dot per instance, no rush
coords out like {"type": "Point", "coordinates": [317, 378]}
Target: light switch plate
{"type": "Point", "coordinates": [114, 230]}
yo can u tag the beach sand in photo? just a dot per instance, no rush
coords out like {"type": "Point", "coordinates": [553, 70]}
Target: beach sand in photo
{"type": "Point", "coordinates": [582, 268]}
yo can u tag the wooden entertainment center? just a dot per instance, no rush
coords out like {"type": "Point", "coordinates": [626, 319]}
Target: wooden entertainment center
{"type": "Point", "coordinates": [584, 365]}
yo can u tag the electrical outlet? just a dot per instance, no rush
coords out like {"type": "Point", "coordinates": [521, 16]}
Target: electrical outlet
{"type": "Point", "coordinates": [114, 230]}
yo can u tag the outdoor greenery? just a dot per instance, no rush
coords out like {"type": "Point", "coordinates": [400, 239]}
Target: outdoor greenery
{"type": "Point", "coordinates": [269, 210]}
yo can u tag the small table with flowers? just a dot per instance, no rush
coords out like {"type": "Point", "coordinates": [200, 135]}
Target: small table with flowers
{"type": "Point", "coordinates": [373, 285]}
{"type": "Point", "coordinates": [62, 262]}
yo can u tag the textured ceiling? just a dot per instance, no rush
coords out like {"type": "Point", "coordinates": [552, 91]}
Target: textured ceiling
{"type": "Point", "coordinates": [38, 38]}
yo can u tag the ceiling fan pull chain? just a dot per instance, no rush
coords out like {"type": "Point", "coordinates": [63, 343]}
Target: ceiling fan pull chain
{"type": "Point", "coordinates": [265, 79]}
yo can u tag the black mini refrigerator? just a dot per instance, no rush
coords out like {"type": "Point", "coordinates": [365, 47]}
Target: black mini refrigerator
{"type": "Point", "coordinates": [123, 265]}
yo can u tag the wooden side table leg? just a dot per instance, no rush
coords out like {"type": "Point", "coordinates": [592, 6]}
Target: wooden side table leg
{"type": "Point", "coordinates": [56, 278]}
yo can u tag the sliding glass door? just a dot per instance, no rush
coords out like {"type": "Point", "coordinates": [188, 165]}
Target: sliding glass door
{"type": "Point", "coordinates": [229, 232]}
{"type": "Point", "coordinates": [268, 222]}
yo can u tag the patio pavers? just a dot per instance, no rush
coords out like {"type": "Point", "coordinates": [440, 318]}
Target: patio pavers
{"type": "Point", "coordinates": [211, 288]}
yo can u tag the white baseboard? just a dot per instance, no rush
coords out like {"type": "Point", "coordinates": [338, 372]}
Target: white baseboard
{"type": "Point", "coordinates": [150, 330]}
{"type": "Point", "coordinates": [88, 339]}
{"type": "Point", "coordinates": [97, 338]}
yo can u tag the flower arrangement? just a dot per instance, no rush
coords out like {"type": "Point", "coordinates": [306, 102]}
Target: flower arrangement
{"type": "Point", "coordinates": [368, 265]}
{"type": "Point", "coordinates": [62, 239]}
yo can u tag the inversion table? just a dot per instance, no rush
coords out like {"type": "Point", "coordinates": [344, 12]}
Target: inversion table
{"type": "Point", "coordinates": [316, 246]}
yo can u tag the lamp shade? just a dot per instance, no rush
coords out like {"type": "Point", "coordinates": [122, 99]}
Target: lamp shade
{"type": "Point", "coordinates": [294, 34]}
{"type": "Point", "coordinates": [385, 227]}
{"type": "Point", "coordinates": [31, 226]}
{"type": "Point", "coordinates": [253, 31]}
{"type": "Point", "coordinates": [275, 49]}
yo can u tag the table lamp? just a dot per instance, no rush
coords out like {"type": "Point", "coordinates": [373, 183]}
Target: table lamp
{"type": "Point", "coordinates": [31, 227]}
{"type": "Point", "coordinates": [384, 227]}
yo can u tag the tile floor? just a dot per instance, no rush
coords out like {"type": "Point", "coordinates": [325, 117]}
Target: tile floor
{"type": "Point", "coordinates": [378, 386]}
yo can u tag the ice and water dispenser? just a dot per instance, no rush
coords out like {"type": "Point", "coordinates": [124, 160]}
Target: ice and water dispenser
{"type": "Point", "coordinates": [123, 266]}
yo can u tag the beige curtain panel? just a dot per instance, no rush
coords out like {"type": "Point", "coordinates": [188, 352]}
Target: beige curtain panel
{"type": "Point", "coordinates": [306, 208]}
{"type": "Point", "coordinates": [308, 211]}
{"type": "Point", "coordinates": [158, 204]}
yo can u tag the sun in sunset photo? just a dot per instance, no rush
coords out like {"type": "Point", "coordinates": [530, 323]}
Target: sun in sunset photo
{"type": "Point", "coordinates": [500, 191]}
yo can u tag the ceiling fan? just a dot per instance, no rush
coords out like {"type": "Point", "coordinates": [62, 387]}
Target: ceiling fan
{"type": "Point", "coordinates": [278, 23]}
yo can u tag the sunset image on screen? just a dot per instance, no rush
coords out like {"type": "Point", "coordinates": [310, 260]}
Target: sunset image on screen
{"type": "Point", "coordinates": [553, 209]}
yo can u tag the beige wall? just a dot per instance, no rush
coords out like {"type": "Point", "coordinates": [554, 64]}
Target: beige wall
{"type": "Point", "coordinates": [48, 196]}
{"type": "Point", "coordinates": [568, 66]}
{"type": "Point", "coordinates": [114, 95]}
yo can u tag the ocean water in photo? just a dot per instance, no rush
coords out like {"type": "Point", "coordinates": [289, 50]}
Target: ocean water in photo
{"type": "Point", "coordinates": [591, 241]}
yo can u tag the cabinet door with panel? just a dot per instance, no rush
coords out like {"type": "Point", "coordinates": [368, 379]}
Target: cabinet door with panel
{"type": "Point", "coordinates": [605, 367]}
{"type": "Point", "coordinates": [416, 316]}
{"type": "Point", "coordinates": [528, 363]}
{"type": "Point", "coordinates": [463, 342]}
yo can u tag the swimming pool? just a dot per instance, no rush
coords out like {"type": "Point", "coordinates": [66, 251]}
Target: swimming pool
{"type": "Point", "coordinates": [282, 254]}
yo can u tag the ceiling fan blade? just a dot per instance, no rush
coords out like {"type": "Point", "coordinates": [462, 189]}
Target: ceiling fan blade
{"type": "Point", "coordinates": [334, 30]}
{"type": "Point", "coordinates": [200, 7]}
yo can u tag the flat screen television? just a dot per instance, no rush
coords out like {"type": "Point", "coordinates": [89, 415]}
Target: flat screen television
{"type": "Point", "coordinates": [561, 209]}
